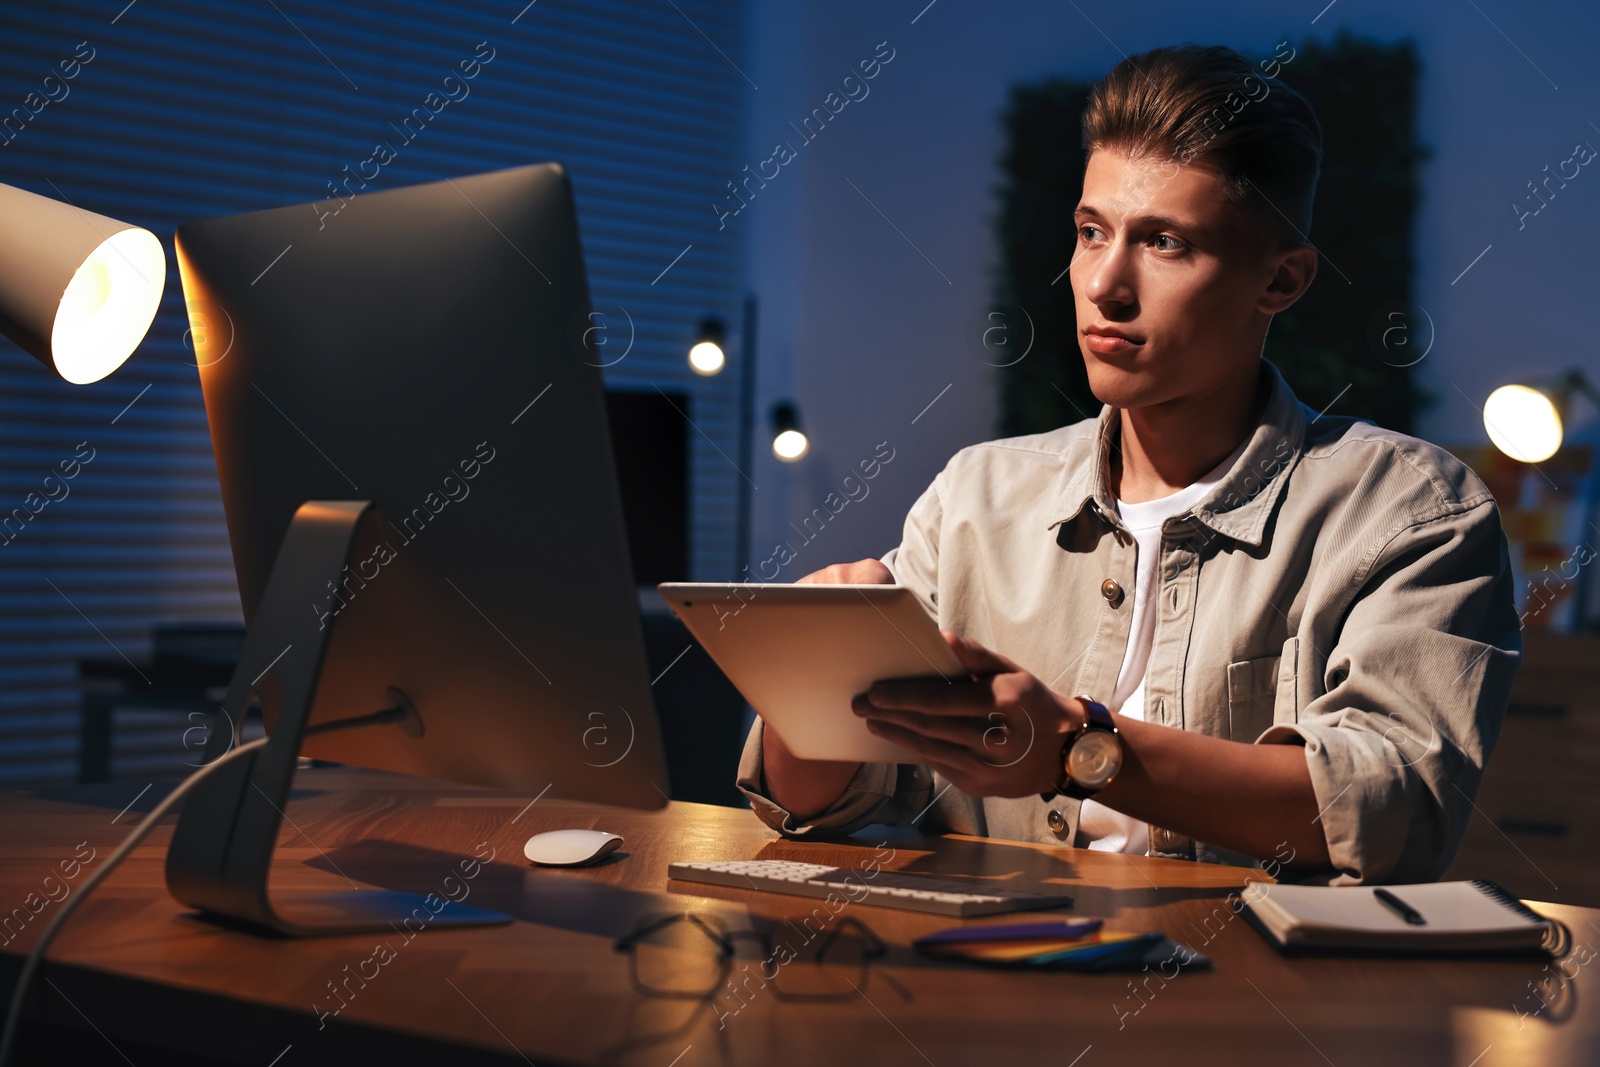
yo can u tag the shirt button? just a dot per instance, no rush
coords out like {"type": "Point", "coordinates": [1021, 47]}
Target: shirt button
{"type": "Point", "coordinates": [1057, 821]}
{"type": "Point", "coordinates": [1111, 591]}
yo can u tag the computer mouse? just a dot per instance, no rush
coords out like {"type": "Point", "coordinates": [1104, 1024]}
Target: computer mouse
{"type": "Point", "coordinates": [570, 848]}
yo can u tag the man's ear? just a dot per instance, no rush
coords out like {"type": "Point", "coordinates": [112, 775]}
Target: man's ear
{"type": "Point", "coordinates": [1293, 271]}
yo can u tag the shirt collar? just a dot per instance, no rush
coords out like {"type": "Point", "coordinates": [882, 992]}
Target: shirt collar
{"type": "Point", "coordinates": [1239, 505]}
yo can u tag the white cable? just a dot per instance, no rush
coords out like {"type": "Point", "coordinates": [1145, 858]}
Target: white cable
{"type": "Point", "coordinates": [25, 978]}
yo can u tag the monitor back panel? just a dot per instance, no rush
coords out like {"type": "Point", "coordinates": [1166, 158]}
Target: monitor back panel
{"type": "Point", "coordinates": [425, 348]}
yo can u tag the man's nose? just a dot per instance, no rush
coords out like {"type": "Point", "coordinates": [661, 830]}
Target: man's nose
{"type": "Point", "coordinates": [1110, 279]}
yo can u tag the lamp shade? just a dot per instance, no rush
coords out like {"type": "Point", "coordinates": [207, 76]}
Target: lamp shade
{"type": "Point", "coordinates": [78, 290]}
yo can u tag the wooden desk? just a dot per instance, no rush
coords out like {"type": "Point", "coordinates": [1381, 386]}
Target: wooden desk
{"type": "Point", "coordinates": [549, 988]}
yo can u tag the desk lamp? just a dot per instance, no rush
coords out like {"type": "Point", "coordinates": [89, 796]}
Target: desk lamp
{"type": "Point", "coordinates": [78, 291]}
{"type": "Point", "coordinates": [1525, 421]}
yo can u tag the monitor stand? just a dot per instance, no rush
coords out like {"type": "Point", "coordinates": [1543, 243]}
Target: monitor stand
{"type": "Point", "coordinates": [222, 846]}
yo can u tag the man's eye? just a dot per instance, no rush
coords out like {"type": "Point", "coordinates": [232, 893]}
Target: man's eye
{"type": "Point", "coordinates": [1172, 243]}
{"type": "Point", "coordinates": [1088, 233]}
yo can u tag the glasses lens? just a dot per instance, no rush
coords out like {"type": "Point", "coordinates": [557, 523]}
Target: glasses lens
{"type": "Point", "coordinates": [679, 959]}
{"type": "Point", "coordinates": [837, 972]}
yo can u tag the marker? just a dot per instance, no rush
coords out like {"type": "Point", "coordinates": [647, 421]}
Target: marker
{"type": "Point", "coordinates": [1400, 907]}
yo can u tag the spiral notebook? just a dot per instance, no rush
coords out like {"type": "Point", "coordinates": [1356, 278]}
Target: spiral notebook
{"type": "Point", "coordinates": [1475, 918]}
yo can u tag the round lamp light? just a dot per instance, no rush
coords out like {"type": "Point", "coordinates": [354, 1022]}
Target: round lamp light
{"type": "Point", "coordinates": [1523, 423]}
{"type": "Point", "coordinates": [707, 357]}
{"type": "Point", "coordinates": [78, 291]}
{"type": "Point", "coordinates": [789, 443]}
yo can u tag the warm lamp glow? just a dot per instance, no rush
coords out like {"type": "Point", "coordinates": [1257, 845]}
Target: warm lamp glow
{"type": "Point", "coordinates": [1522, 423]}
{"type": "Point", "coordinates": [707, 358]}
{"type": "Point", "coordinates": [790, 445]}
{"type": "Point", "coordinates": [108, 306]}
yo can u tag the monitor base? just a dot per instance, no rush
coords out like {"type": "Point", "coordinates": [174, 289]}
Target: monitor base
{"type": "Point", "coordinates": [222, 847]}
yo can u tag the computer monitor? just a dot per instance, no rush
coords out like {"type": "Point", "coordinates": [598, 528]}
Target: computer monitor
{"type": "Point", "coordinates": [427, 350]}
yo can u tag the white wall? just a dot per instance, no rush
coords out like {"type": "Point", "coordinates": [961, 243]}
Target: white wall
{"type": "Point", "coordinates": [863, 330]}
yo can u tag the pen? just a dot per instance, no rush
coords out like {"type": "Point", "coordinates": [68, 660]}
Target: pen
{"type": "Point", "coordinates": [1400, 907]}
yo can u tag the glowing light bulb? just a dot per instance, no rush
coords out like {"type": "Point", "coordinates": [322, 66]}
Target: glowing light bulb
{"type": "Point", "coordinates": [790, 445]}
{"type": "Point", "coordinates": [1522, 423]}
{"type": "Point", "coordinates": [108, 306]}
{"type": "Point", "coordinates": [707, 358]}
{"type": "Point", "coordinates": [87, 292]}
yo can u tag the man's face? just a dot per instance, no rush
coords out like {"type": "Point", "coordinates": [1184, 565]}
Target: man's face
{"type": "Point", "coordinates": [1165, 261]}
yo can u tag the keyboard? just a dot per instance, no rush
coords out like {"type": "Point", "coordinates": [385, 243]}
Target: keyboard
{"type": "Point", "coordinates": [889, 889]}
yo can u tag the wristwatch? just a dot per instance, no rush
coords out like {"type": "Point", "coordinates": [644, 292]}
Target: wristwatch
{"type": "Point", "coordinates": [1091, 757]}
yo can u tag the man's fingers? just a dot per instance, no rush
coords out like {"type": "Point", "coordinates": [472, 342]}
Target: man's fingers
{"type": "Point", "coordinates": [968, 732]}
{"type": "Point", "coordinates": [931, 749]}
{"type": "Point", "coordinates": [955, 764]}
{"type": "Point", "coordinates": [975, 658]}
{"type": "Point", "coordinates": [861, 572]}
{"type": "Point", "coordinates": [932, 695]}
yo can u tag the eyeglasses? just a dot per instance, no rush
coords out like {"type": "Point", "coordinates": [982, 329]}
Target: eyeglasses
{"type": "Point", "coordinates": [692, 957]}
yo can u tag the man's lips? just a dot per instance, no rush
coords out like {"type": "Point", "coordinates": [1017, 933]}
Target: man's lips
{"type": "Point", "coordinates": [1112, 331]}
{"type": "Point", "coordinates": [1107, 341]}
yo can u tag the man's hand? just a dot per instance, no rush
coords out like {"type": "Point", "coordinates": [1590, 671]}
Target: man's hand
{"type": "Point", "coordinates": [861, 572]}
{"type": "Point", "coordinates": [998, 733]}
{"type": "Point", "coordinates": [807, 787]}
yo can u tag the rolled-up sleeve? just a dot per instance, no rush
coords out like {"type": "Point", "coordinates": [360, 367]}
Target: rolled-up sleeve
{"type": "Point", "coordinates": [879, 792]}
{"type": "Point", "coordinates": [1417, 683]}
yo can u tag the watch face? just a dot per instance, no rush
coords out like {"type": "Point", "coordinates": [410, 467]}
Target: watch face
{"type": "Point", "coordinates": [1095, 759]}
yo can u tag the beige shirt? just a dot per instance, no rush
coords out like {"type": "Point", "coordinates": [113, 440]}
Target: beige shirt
{"type": "Point", "coordinates": [1344, 587]}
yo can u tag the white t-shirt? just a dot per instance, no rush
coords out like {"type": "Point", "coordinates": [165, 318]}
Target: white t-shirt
{"type": "Point", "coordinates": [1100, 827]}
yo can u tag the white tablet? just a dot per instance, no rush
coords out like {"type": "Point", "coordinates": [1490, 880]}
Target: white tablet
{"type": "Point", "coordinates": [798, 653]}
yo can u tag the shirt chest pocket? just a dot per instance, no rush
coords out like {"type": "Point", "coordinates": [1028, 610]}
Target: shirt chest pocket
{"type": "Point", "coordinates": [1262, 692]}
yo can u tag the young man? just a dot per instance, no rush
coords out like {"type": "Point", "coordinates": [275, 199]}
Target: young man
{"type": "Point", "coordinates": [1286, 636]}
